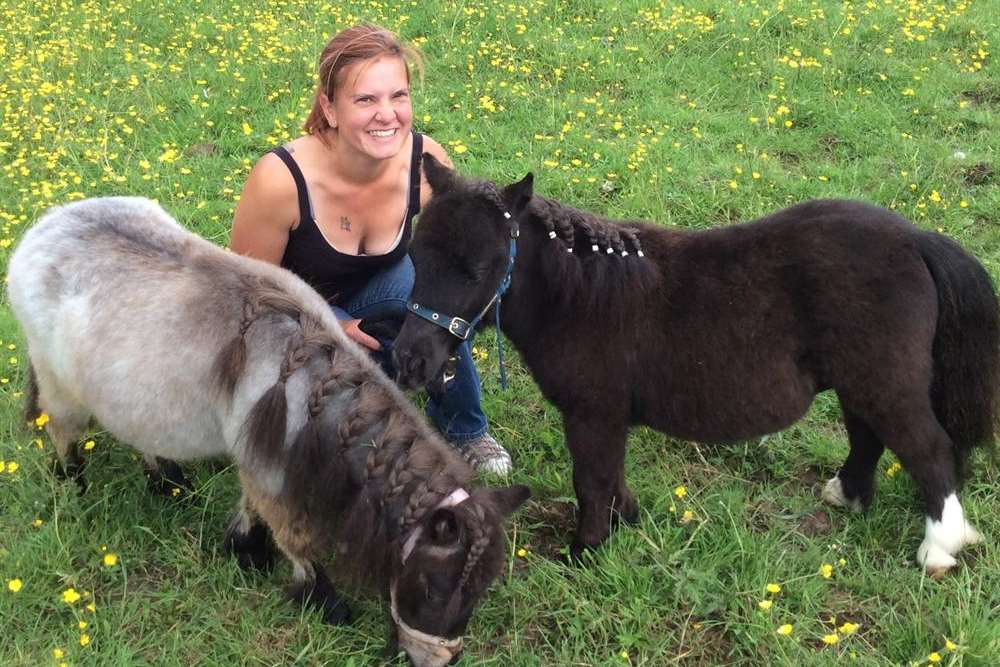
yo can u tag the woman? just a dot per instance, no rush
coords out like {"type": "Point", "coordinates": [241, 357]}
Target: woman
{"type": "Point", "coordinates": [335, 206]}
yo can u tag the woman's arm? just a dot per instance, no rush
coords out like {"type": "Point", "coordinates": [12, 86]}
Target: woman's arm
{"type": "Point", "coordinates": [266, 212]}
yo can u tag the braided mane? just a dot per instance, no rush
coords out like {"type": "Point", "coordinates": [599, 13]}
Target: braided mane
{"type": "Point", "coordinates": [363, 465]}
{"type": "Point", "coordinates": [597, 264]}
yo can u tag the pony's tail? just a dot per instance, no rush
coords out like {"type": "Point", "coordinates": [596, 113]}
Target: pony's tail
{"type": "Point", "coordinates": [966, 353]}
{"type": "Point", "coordinates": [31, 409]}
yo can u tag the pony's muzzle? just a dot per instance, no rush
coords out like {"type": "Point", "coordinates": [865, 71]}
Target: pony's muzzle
{"type": "Point", "coordinates": [423, 356]}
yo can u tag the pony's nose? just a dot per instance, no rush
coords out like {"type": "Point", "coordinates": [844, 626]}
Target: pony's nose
{"type": "Point", "coordinates": [410, 367]}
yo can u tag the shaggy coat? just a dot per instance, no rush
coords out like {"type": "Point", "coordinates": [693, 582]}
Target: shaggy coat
{"type": "Point", "coordinates": [184, 350]}
{"type": "Point", "coordinates": [723, 335]}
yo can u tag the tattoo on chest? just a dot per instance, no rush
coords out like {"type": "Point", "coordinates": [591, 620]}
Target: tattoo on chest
{"type": "Point", "coordinates": [345, 223]}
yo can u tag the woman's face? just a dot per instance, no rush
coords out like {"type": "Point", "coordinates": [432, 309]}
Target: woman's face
{"type": "Point", "coordinates": [372, 109]}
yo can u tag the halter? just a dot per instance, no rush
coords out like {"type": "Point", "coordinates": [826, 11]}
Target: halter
{"type": "Point", "coordinates": [431, 644]}
{"type": "Point", "coordinates": [462, 329]}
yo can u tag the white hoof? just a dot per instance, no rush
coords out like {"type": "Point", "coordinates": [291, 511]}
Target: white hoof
{"type": "Point", "coordinates": [934, 558]}
{"type": "Point", "coordinates": [945, 538]}
{"type": "Point", "coordinates": [833, 493]}
{"type": "Point", "coordinates": [972, 536]}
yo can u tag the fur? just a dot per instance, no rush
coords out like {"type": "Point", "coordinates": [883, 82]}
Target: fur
{"type": "Point", "coordinates": [184, 351]}
{"type": "Point", "coordinates": [720, 335]}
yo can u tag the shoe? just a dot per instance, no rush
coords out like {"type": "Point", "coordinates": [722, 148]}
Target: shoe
{"type": "Point", "coordinates": [485, 454]}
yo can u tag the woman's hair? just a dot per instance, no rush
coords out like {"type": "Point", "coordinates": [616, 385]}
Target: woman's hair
{"type": "Point", "coordinates": [352, 45]}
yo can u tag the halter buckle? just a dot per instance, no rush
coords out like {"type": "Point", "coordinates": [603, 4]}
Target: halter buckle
{"type": "Point", "coordinates": [459, 328]}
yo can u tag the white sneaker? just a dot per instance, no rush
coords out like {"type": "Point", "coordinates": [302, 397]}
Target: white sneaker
{"type": "Point", "coordinates": [485, 454]}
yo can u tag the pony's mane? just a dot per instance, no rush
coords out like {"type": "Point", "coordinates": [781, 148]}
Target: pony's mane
{"type": "Point", "coordinates": [363, 465]}
{"type": "Point", "coordinates": [598, 263]}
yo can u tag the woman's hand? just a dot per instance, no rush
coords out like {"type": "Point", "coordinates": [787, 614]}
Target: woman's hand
{"type": "Point", "coordinates": [358, 336]}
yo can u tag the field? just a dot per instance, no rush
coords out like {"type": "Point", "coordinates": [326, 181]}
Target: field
{"type": "Point", "coordinates": [694, 115]}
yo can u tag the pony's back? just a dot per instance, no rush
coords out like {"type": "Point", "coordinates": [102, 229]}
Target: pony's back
{"type": "Point", "coordinates": [125, 312]}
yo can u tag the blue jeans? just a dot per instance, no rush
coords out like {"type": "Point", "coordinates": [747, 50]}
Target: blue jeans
{"type": "Point", "coordinates": [456, 412]}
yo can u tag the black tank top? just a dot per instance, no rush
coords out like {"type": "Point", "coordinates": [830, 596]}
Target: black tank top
{"type": "Point", "coordinates": [338, 276]}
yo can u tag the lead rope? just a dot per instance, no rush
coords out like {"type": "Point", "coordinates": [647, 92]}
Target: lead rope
{"type": "Point", "coordinates": [503, 368]}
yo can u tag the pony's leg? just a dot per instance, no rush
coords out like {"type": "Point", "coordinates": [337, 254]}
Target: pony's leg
{"type": "Point", "coordinates": [925, 451]}
{"type": "Point", "coordinates": [312, 587]}
{"type": "Point", "coordinates": [67, 422]}
{"type": "Point", "coordinates": [598, 451]}
{"type": "Point", "coordinates": [853, 486]}
{"type": "Point", "coordinates": [166, 477]}
{"type": "Point", "coordinates": [248, 538]}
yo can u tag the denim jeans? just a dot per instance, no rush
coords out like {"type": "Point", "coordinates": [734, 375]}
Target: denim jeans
{"type": "Point", "coordinates": [457, 412]}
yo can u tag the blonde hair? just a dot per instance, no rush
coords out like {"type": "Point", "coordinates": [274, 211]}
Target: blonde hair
{"type": "Point", "coordinates": [362, 42]}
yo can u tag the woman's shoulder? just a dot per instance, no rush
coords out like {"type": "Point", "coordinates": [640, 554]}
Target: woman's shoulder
{"type": "Point", "coordinates": [271, 178]}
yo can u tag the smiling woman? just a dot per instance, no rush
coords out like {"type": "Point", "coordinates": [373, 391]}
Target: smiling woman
{"type": "Point", "coordinates": [336, 206]}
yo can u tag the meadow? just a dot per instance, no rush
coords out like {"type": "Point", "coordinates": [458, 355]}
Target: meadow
{"type": "Point", "coordinates": [694, 115]}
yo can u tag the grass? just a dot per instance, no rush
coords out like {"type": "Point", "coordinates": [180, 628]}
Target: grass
{"type": "Point", "coordinates": [694, 115]}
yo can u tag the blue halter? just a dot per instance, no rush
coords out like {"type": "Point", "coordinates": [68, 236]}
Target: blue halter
{"type": "Point", "coordinates": [462, 329]}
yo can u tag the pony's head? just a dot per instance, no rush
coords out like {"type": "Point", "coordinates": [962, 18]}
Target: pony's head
{"type": "Point", "coordinates": [460, 250]}
{"type": "Point", "coordinates": [448, 561]}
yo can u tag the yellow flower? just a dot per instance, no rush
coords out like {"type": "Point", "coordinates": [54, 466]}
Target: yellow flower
{"type": "Point", "coordinates": [91, 607]}
{"type": "Point", "coordinates": [110, 559]}
{"type": "Point", "coordinates": [89, 445]}
{"type": "Point", "coordinates": [950, 645]}
{"type": "Point", "coordinates": [687, 517]}
{"type": "Point", "coordinates": [831, 639]}
{"type": "Point", "coordinates": [680, 492]}
{"type": "Point", "coordinates": [848, 628]}
{"type": "Point", "coordinates": [82, 625]}
{"type": "Point", "coordinates": [773, 588]}
{"type": "Point", "coordinates": [785, 629]}
{"type": "Point", "coordinates": [12, 467]}
{"type": "Point", "coordinates": [765, 604]}
{"type": "Point", "coordinates": [934, 196]}
{"type": "Point", "coordinates": [70, 595]}
{"type": "Point", "coordinates": [522, 552]}
{"type": "Point", "coordinates": [42, 420]}
{"type": "Point", "coordinates": [84, 640]}
{"type": "Point", "coordinates": [57, 653]}
{"type": "Point", "coordinates": [826, 570]}
{"type": "Point", "coordinates": [934, 657]}
{"type": "Point", "coordinates": [14, 585]}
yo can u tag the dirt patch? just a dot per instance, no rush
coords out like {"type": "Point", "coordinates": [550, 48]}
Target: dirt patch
{"type": "Point", "coordinates": [979, 174]}
{"type": "Point", "coordinates": [549, 524]}
{"type": "Point", "coordinates": [815, 523]}
{"type": "Point", "coordinates": [201, 150]}
{"type": "Point", "coordinates": [989, 96]}
{"type": "Point", "coordinates": [762, 514]}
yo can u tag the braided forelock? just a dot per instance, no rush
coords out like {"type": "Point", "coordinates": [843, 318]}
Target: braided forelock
{"type": "Point", "coordinates": [480, 536]}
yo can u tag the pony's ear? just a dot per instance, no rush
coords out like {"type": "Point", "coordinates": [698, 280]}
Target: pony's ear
{"type": "Point", "coordinates": [517, 195]}
{"type": "Point", "coordinates": [444, 527]}
{"type": "Point", "coordinates": [440, 177]}
{"type": "Point", "coordinates": [508, 499]}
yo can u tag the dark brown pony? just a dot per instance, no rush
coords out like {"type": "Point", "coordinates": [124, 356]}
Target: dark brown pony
{"type": "Point", "coordinates": [723, 335]}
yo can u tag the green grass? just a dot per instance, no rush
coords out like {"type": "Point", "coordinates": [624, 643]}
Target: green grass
{"type": "Point", "coordinates": [670, 112]}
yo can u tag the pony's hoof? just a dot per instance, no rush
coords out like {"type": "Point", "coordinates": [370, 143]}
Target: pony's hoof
{"type": "Point", "coordinates": [323, 599]}
{"type": "Point", "coordinates": [578, 554]}
{"type": "Point", "coordinates": [833, 493]}
{"type": "Point", "coordinates": [252, 550]}
{"type": "Point", "coordinates": [335, 611]}
{"type": "Point", "coordinates": [627, 513]}
{"type": "Point", "coordinates": [935, 559]}
{"type": "Point", "coordinates": [972, 536]}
